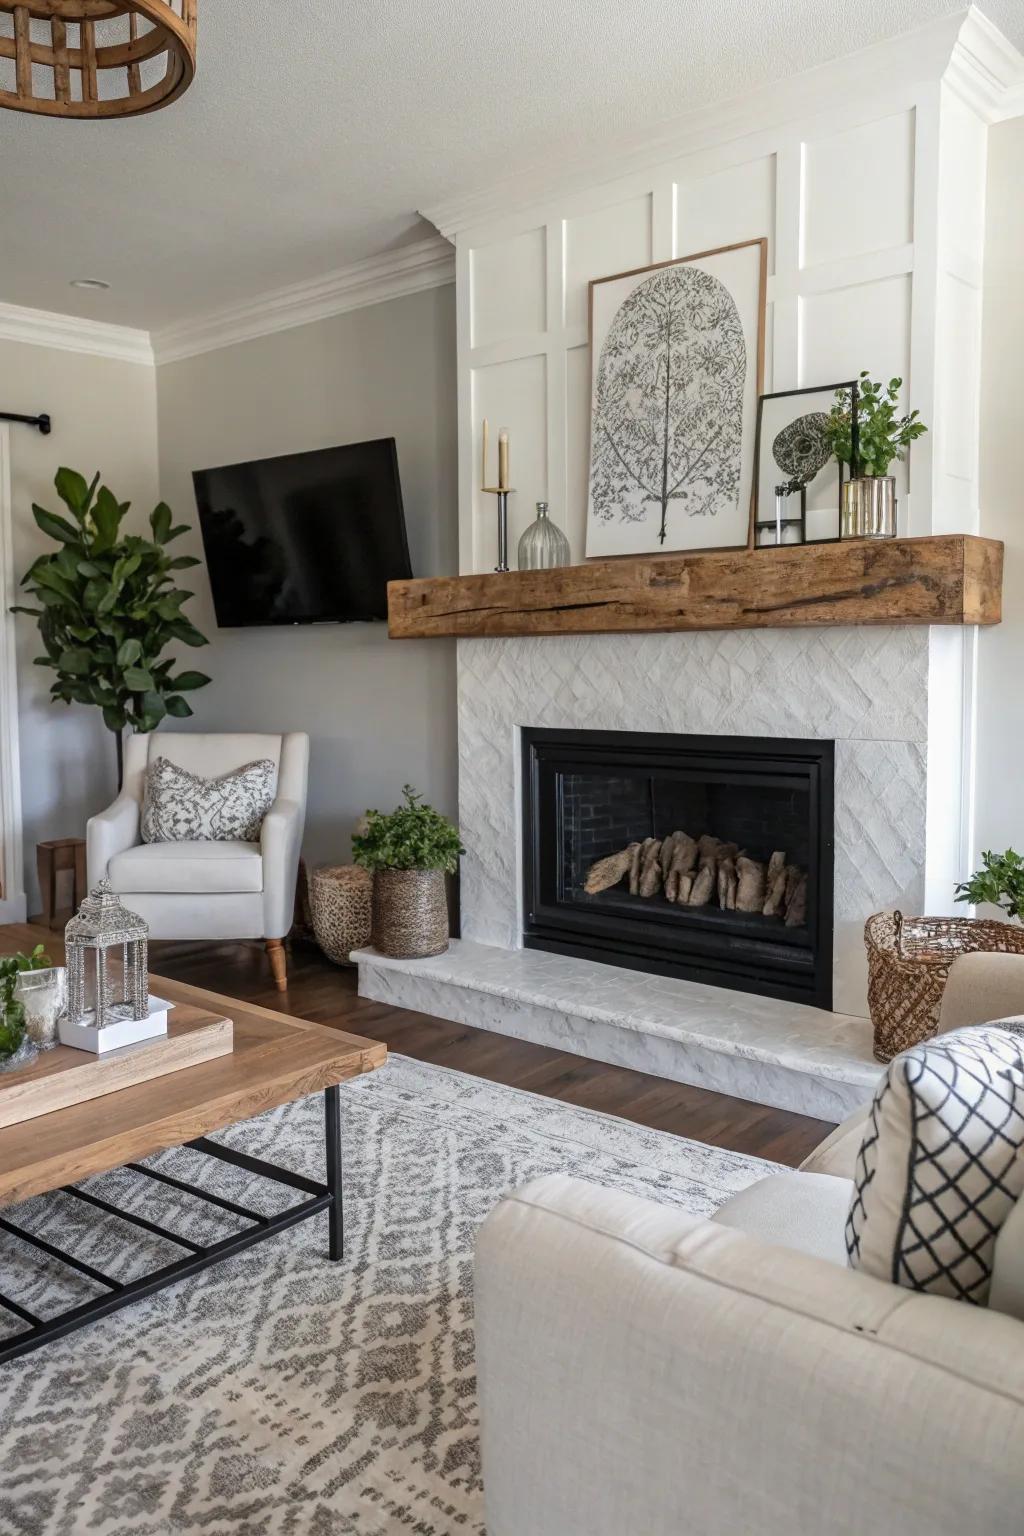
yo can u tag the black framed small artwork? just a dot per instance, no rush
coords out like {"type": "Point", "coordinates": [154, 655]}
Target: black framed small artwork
{"type": "Point", "coordinates": [797, 478]}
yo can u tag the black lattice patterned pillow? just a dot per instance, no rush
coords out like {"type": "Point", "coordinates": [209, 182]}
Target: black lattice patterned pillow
{"type": "Point", "coordinates": [942, 1163]}
{"type": "Point", "coordinates": [184, 807]}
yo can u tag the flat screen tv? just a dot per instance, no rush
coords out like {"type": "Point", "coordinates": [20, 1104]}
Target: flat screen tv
{"type": "Point", "coordinates": [307, 538]}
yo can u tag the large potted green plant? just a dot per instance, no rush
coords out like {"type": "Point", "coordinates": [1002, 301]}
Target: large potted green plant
{"type": "Point", "coordinates": [882, 437]}
{"type": "Point", "coordinates": [409, 850]}
{"type": "Point", "coordinates": [108, 608]}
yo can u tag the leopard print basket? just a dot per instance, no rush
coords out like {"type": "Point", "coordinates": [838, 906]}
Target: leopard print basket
{"type": "Point", "coordinates": [340, 906]}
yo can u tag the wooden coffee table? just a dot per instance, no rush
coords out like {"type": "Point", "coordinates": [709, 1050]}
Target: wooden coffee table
{"type": "Point", "coordinates": [275, 1059]}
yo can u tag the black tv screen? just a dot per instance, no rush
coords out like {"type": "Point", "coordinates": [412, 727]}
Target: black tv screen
{"type": "Point", "coordinates": [307, 538]}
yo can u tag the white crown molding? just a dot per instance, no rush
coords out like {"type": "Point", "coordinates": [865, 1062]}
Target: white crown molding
{"type": "Point", "coordinates": [964, 48]}
{"type": "Point", "coordinates": [44, 328]}
{"type": "Point", "coordinates": [429, 263]}
{"type": "Point", "coordinates": [985, 70]}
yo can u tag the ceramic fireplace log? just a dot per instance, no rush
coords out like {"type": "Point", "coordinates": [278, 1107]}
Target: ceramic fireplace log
{"type": "Point", "coordinates": [609, 871]}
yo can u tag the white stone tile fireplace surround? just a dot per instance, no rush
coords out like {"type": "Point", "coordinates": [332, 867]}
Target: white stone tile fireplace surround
{"type": "Point", "coordinates": [877, 693]}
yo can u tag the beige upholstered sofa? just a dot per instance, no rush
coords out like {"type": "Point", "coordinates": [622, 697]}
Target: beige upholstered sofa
{"type": "Point", "coordinates": [207, 890]}
{"type": "Point", "coordinates": [648, 1373]}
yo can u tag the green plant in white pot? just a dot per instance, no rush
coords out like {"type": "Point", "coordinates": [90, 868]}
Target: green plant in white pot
{"type": "Point", "coordinates": [882, 437]}
{"type": "Point", "coordinates": [409, 850]}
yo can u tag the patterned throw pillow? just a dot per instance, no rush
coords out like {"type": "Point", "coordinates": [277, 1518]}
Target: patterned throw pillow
{"type": "Point", "coordinates": [183, 807]}
{"type": "Point", "coordinates": [942, 1164]}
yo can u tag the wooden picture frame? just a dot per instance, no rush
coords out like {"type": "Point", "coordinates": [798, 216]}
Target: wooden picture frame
{"type": "Point", "coordinates": [729, 270]}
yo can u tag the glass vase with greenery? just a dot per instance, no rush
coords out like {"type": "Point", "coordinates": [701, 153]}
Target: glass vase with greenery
{"type": "Point", "coordinates": [12, 1013]}
{"type": "Point", "coordinates": [999, 883]}
{"type": "Point", "coordinates": [108, 608]}
{"type": "Point", "coordinates": [882, 434]}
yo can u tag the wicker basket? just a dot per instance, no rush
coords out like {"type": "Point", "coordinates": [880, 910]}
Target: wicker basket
{"type": "Point", "coordinates": [340, 905]}
{"type": "Point", "coordinates": [410, 913]}
{"type": "Point", "coordinates": [909, 959]}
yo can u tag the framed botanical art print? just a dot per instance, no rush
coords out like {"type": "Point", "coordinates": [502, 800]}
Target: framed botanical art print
{"type": "Point", "coordinates": [798, 480]}
{"type": "Point", "coordinates": [677, 358]}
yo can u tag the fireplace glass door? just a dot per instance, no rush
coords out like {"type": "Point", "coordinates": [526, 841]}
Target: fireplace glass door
{"type": "Point", "coordinates": [709, 857]}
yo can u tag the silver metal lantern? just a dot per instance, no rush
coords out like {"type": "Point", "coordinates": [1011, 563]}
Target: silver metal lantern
{"type": "Point", "coordinates": [107, 962]}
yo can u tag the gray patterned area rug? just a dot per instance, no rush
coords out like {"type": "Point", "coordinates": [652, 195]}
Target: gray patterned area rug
{"type": "Point", "coordinates": [278, 1394]}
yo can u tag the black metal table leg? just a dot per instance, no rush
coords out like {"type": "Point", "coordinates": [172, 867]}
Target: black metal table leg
{"type": "Point", "coordinates": [320, 1197]}
{"type": "Point", "coordinates": [332, 1129]}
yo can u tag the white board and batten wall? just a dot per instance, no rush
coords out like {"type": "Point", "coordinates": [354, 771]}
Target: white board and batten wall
{"type": "Point", "coordinates": [867, 176]}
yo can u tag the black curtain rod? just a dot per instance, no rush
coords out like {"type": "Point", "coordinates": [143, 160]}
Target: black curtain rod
{"type": "Point", "coordinates": [42, 422]}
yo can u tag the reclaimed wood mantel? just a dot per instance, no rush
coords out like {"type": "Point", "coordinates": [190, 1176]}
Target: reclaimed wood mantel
{"type": "Point", "coordinates": [944, 579]}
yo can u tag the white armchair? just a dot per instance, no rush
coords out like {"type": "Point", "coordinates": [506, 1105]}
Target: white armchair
{"type": "Point", "coordinates": [208, 890]}
{"type": "Point", "coordinates": [648, 1373]}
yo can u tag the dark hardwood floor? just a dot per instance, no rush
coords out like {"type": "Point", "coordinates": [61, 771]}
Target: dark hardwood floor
{"type": "Point", "coordinates": [327, 993]}
{"type": "Point", "coordinates": [324, 992]}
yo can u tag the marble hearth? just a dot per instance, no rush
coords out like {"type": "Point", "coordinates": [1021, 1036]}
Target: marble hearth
{"type": "Point", "coordinates": [779, 1053]}
{"type": "Point", "coordinates": [893, 702]}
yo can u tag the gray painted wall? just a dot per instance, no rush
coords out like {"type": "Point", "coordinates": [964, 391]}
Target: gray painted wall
{"type": "Point", "coordinates": [104, 418]}
{"type": "Point", "coordinates": [379, 712]}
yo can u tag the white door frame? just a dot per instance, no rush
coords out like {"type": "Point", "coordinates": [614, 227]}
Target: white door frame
{"type": "Point", "coordinates": [12, 893]}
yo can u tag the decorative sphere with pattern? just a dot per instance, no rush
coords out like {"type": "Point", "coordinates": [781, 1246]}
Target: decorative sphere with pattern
{"type": "Point", "coordinates": [802, 448]}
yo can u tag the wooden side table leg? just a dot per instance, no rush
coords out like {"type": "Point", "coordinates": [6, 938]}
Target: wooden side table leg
{"type": "Point", "coordinates": [278, 963]}
{"type": "Point", "coordinates": [47, 882]}
{"type": "Point", "coordinates": [81, 876]}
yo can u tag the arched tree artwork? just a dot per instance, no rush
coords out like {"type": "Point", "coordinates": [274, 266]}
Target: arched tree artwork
{"type": "Point", "coordinates": [667, 429]}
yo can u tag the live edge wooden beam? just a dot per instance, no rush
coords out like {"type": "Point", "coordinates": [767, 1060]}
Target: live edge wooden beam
{"type": "Point", "coordinates": [945, 579]}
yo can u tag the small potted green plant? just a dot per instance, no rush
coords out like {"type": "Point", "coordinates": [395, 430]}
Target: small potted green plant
{"type": "Point", "coordinates": [409, 850]}
{"type": "Point", "coordinates": [999, 883]}
{"type": "Point", "coordinates": [17, 1046]}
{"type": "Point", "coordinates": [882, 437]}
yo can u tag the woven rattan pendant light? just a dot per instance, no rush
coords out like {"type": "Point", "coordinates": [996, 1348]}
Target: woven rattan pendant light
{"type": "Point", "coordinates": [95, 58]}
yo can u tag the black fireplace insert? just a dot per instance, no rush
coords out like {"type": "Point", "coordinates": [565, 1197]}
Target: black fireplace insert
{"type": "Point", "coordinates": [707, 857]}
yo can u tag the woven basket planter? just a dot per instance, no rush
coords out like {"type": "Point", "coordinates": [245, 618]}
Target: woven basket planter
{"type": "Point", "coordinates": [340, 899]}
{"type": "Point", "coordinates": [410, 913]}
{"type": "Point", "coordinates": [909, 959]}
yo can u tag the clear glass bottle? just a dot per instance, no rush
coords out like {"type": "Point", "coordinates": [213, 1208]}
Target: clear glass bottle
{"type": "Point", "coordinates": [543, 545]}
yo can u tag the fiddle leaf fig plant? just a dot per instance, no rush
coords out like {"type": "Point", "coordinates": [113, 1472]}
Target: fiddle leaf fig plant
{"type": "Point", "coordinates": [882, 435]}
{"type": "Point", "coordinates": [413, 836]}
{"type": "Point", "coordinates": [108, 608]}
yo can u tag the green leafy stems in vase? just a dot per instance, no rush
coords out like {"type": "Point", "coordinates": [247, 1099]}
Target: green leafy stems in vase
{"type": "Point", "coordinates": [881, 438]}
{"type": "Point", "coordinates": [882, 435]}
{"type": "Point", "coordinates": [107, 608]}
{"type": "Point", "coordinates": [999, 883]}
{"type": "Point", "coordinates": [12, 1013]}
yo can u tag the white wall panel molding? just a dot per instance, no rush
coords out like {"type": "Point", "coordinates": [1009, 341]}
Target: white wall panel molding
{"type": "Point", "coordinates": [879, 283]}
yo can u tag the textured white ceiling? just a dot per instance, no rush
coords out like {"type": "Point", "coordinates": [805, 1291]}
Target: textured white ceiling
{"type": "Point", "coordinates": [315, 129]}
